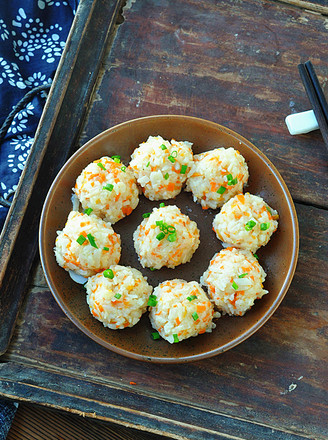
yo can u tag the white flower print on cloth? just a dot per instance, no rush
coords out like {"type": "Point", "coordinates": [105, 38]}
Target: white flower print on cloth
{"type": "Point", "coordinates": [17, 125]}
{"type": "Point", "coordinates": [33, 37]}
{"type": "Point", "coordinates": [6, 190]}
{"type": "Point", "coordinates": [42, 3]}
{"type": "Point", "coordinates": [20, 120]}
{"type": "Point", "coordinates": [22, 146]}
{"type": "Point", "coordinates": [10, 73]}
{"type": "Point", "coordinates": [37, 79]}
{"type": "Point", "coordinates": [4, 33]}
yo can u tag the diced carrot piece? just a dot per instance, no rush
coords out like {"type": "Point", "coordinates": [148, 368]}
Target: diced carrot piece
{"type": "Point", "coordinates": [241, 198]}
{"type": "Point", "coordinates": [170, 186]}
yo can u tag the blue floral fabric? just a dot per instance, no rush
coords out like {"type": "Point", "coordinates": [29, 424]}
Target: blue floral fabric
{"type": "Point", "coordinates": [32, 38]}
{"type": "Point", "coordinates": [7, 414]}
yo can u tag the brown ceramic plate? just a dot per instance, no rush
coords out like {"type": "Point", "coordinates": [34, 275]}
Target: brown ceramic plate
{"type": "Point", "coordinates": [278, 258]}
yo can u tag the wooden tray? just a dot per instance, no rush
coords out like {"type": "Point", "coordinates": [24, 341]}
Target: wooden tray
{"type": "Point", "coordinates": [231, 62]}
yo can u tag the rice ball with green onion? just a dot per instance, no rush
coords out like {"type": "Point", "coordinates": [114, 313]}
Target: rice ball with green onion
{"type": "Point", "coordinates": [87, 245]}
{"type": "Point", "coordinates": [180, 310]}
{"type": "Point", "coordinates": [216, 176]}
{"type": "Point", "coordinates": [165, 237]}
{"type": "Point", "coordinates": [246, 222]}
{"type": "Point", "coordinates": [118, 296]}
{"type": "Point", "coordinates": [161, 166]}
{"type": "Point", "coordinates": [107, 188]}
{"type": "Point", "coordinates": [234, 280]}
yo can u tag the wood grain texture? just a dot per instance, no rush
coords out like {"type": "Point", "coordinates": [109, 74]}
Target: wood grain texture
{"type": "Point", "coordinates": [275, 379]}
{"type": "Point", "coordinates": [319, 6]}
{"type": "Point", "coordinates": [33, 422]}
{"type": "Point", "coordinates": [57, 133]}
{"type": "Point", "coordinates": [231, 62]}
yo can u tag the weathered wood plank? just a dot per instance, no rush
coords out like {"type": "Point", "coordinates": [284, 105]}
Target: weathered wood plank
{"type": "Point", "coordinates": [56, 135]}
{"type": "Point", "coordinates": [150, 413]}
{"type": "Point", "coordinates": [39, 423]}
{"type": "Point", "coordinates": [216, 61]}
{"type": "Point", "coordinates": [276, 378]}
{"type": "Point", "coordinates": [319, 6]}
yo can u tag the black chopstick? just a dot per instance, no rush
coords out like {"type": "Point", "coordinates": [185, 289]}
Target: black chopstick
{"type": "Point", "coordinates": [309, 67]}
{"type": "Point", "coordinates": [312, 92]}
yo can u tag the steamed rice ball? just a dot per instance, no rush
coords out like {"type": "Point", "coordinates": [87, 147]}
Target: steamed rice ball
{"type": "Point", "coordinates": [216, 176]}
{"type": "Point", "coordinates": [161, 166]}
{"type": "Point", "coordinates": [87, 245]}
{"type": "Point", "coordinates": [166, 237]}
{"type": "Point", "coordinates": [181, 310]}
{"type": "Point", "coordinates": [108, 188]}
{"type": "Point", "coordinates": [118, 296]}
{"type": "Point", "coordinates": [234, 280]}
{"type": "Point", "coordinates": [246, 222]}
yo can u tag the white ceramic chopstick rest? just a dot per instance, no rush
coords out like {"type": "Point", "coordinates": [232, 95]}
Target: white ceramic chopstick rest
{"type": "Point", "coordinates": [300, 123]}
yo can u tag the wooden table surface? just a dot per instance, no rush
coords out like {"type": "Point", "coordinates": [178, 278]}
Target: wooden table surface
{"type": "Point", "coordinates": [235, 63]}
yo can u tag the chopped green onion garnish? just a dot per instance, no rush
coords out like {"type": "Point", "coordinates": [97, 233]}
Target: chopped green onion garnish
{"type": "Point", "coordinates": [242, 275]}
{"type": "Point", "coordinates": [221, 190]}
{"type": "Point", "coordinates": [235, 286]}
{"type": "Point", "coordinates": [174, 153]}
{"type": "Point", "coordinates": [116, 159]}
{"type": "Point", "coordinates": [117, 295]}
{"type": "Point", "coordinates": [160, 236]}
{"type": "Point", "coordinates": [195, 316]}
{"type": "Point", "coordinates": [155, 336]}
{"type": "Point", "coordinates": [175, 338]}
{"type": "Point", "coordinates": [123, 168]}
{"type": "Point", "coordinates": [171, 159]}
{"type": "Point", "coordinates": [191, 297]}
{"type": "Point", "coordinates": [233, 181]}
{"type": "Point", "coordinates": [100, 165]}
{"type": "Point", "coordinates": [172, 237]}
{"type": "Point", "coordinates": [161, 205]}
{"type": "Point", "coordinates": [250, 225]}
{"type": "Point", "coordinates": [92, 241]}
{"type": "Point", "coordinates": [183, 169]}
{"type": "Point", "coordinates": [159, 223]}
{"type": "Point", "coordinates": [163, 147]}
{"type": "Point", "coordinates": [171, 229]}
{"type": "Point", "coordinates": [265, 226]}
{"type": "Point", "coordinates": [152, 268]}
{"type": "Point", "coordinates": [166, 176]}
{"type": "Point", "coordinates": [108, 273]}
{"type": "Point", "coordinates": [109, 187]}
{"type": "Point", "coordinates": [152, 300]}
{"type": "Point", "coordinates": [268, 209]}
{"type": "Point", "coordinates": [146, 215]}
{"type": "Point", "coordinates": [256, 256]}
{"type": "Point", "coordinates": [88, 211]}
{"type": "Point", "coordinates": [105, 248]}
{"type": "Point", "coordinates": [81, 239]}
{"type": "Point", "coordinates": [229, 177]}
{"type": "Point", "coordinates": [148, 164]}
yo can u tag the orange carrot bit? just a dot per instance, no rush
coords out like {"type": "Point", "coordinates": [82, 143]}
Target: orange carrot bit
{"type": "Point", "coordinates": [201, 331]}
{"type": "Point", "coordinates": [126, 210]}
{"type": "Point", "coordinates": [170, 186]}
{"type": "Point", "coordinates": [177, 320]}
{"type": "Point", "coordinates": [94, 313]}
{"type": "Point", "coordinates": [201, 308]}
{"type": "Point", "coordinates": [213, 186]}
{"type": "Point", "coordinates": [133, 383]}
